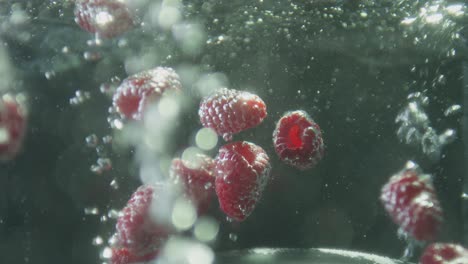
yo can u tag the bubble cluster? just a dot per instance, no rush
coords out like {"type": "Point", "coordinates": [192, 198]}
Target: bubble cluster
{"type": "Point", "coordinates": [415, 127]}
{"type": "Point", "coordinates": [80, 97]}
{"type": "Point", "coordinates": [103, 162]}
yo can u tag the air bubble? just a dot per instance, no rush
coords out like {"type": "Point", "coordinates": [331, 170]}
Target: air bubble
{"type": "Point", "coordinates": [191, 157]}
{"type": "Point", "coordinates": [91, 55]}
{"type": "Point", "coordinates": [455, 9]}
{"type": "Point", "coordinates": [96, 169]}
{"type": "Point", "coordinates": [411, 165]}
{"type": "Point", "coordinates": [233, 237]}
{"type": "Point", "coordinates": [105, 88]}
{"type": "Point", "coordinates": [80, 97]}
{"type": "Point", "coordinates": [208, 185]}
{"type": "Point", "coordinates": [92, 141]}
{"type": "Point", "coordinates": [206, 138]}
{"type": "Point", "coordinates": [4, 135]}
{"type": "Point", "coordinates": [94, 42]}
{"type": "Point", "coordinates": [115, 79]}
{"type": "Point", "coordinates": [49, 75]}
{"type": "Point", "coordinates": [114, 184]}
{"type": "Point", "coordinates": [91, 211]}
{"type": "Point", "coordinates": [101, 151]}
{"type": "Point", "coordinates": [206, 229]}
{"type": "Point", "coordinates": [453, 110]}
{"type": "Point", "coordinates": [112, 240]}
{"type": "Point", "coordinates": [180, 250]}
{"type": "Point", "coordinates": [104, 163]}
{"type": "Point", "coordinates": [441, 79]}
{"type": "Point", "coordinates": [183, 214]}
{"type": "Point", "coordinates": [408, 21]}
{"type": "Point", "coordinates": [107, 139]}
{"type": "Point", "coordinates": [103, 218]}
{"type": "Point", "coordinates": [106, 253]}
{"type": "Point", "coordinates": [447, 137]}
{"type": "Point", "coordinates": [97, 241]}
{"type": "Point", "coordinates": [113, 214]}
{"type": "Point", "coordinates": [117, 124]}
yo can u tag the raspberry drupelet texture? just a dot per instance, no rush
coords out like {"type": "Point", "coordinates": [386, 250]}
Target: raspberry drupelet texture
{"type": "Point", "coordinates": [138, 90]}
{"type": "Point", "coordinates": [444, 253]}
{"type": "Point", "coordinates": [138, 235]}
{"type": "Point", "coordinates": [13, 121]}
{"type": "Point", "coordinates": [126, 256]}
{"type": "Point", "coordinates": [229, 111]}
{"type": "Point", "coordinates": [242, 172]}
{"type": "Point", "coordinates": [197, 179]}
{"type": "Point", "coordinates": [410, 199]}
{"type": "Point", "coordinates": [298, 140]}
{"type": "Point", "coordinates": [107, 18]}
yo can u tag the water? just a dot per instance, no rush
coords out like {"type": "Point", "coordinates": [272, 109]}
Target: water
{"type": "Point", "coordinates": [384, 80]}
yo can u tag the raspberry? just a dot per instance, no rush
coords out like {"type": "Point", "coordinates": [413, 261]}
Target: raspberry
{"type": "Point", "coordinates": [138, 90]}
{"type": "Point", "coordinates": [298, 140]}
{"type": "Point", "coordinates": [242, 172]}
{"type": "Point", "coordinates": [444, 253]}
{"type": "Point", "coordinates": [137, 232]}
{"type": "Point", "coordinates": [126, 256]}
{"type": "Point", "coordinates": [231, 111]}
{"type": "Point", "coordinates": [197, 179]}
{"type": "Point", "coordinates": [107, 18]}
{"type": "Point", "coordinates": [410, 199]}
{"type": "Point", "coordinates": [13, 117]}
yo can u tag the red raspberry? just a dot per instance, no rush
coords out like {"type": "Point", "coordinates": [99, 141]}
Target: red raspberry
{"type": "Point", "coordinates": [136, 231]}
{"type": "Point", "coordinates": [197, 179]}
{"type": "Point", "coordinates": [298, 140]}
{"type": "Point", "coordinates": [410, 199]}
{"type": "Point", "coordinates": [126, 256]}
{"type": "Point", "coordinates": [242, 172]}
{"type": "Point", "coordinates": [138, 90]}
{"type": "Point", "coordinates": [13, 117]}
{"type": "Point", "coordinates": [107, 18]}
{"type": "Point", "coordinates": [231, 111]}
{"type": "Point", "coordinates": [444, 253]}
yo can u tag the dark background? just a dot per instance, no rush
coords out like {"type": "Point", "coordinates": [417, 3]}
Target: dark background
{"type": "Point", "coordinates": [353, 80]}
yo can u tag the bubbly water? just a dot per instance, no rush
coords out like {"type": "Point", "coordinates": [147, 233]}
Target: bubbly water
{"type": "Point", "coordinates": [385, 80]}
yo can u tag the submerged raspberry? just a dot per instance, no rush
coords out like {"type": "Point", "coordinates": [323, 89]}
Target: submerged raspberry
{"type": "Point", "coordinates": [230, 111]}
{"type": "Point", "coordinates": [197, 179]}
{"type": "Point", "coordinates": [410, 199]}
{"type": "Point", "coordinates": [142, 88]}
{"type": "Point", "coordinates": [126, 256]}
{"type": "Point", "coordinates": [298, 140]}
{"type": "Point", "coordinates": [444, 253]}
{"type": "Point", "coordinates": [242, 172]}
{"type": "Point", "coordinates": [13, 118]}
{"type": "Point", "coordinates": [137, 233]}
{"type": "Point", "coordinates": [107, 18]}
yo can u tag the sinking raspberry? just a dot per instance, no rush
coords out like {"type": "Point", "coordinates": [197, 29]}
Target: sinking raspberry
{"type": "Point", "coordinates": [410, 199]}
{"type": "Point", "coordinates": [127, 256]}
{"type": "Point", "coordinates": [197, 179]}
{"type": "Point", "coordinates": [137, 91]}
{"type": "Point", "coordinates": [107, 18]}
{"type": "Point", "coordinates": [13, 118]}
{"type": "Point", "coordinates": [242, 172]}
{"type": "Point", "coordinates": [444, 253]}
{"type": "Point", "coordinates": [298, 140]}
{"type": "Point", "coordinates": [137, 233]}
{"type": "Point", "coordinates": [229, 112]}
